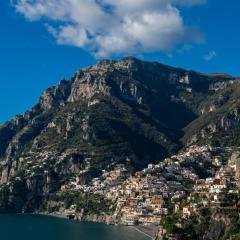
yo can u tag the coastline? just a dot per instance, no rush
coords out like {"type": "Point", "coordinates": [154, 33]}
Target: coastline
{"type": "Point", "coordinates": [142, 232]}
{"type": "Point", "coordinates": [57, 215]}
{"type": "Point", "coordinates": [150, 232]}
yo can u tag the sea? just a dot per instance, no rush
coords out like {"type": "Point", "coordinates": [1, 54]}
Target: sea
{"type": "Point", "coordinates": [34, 227]}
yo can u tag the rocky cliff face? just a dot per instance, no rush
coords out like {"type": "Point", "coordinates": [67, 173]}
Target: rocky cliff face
{"type": "Point", "coordinates": [222, 225]}
{"type": "Point", "coordinates": [126, 111]}
{"type": "Point", "coordinates": [219, 117]}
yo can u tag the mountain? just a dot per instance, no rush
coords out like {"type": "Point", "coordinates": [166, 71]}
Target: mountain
{"type": "Point", "coordinates": [126, 111]}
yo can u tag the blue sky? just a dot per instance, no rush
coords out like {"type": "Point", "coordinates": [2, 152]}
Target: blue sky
{"type": "Point", "coordinates": [37, 49]}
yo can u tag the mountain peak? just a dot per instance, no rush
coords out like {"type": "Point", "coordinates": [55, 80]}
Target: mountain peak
{"type": "Point", "coordinates": [129, 63]}
{"type": "Point", "coordinates": [111, 77]}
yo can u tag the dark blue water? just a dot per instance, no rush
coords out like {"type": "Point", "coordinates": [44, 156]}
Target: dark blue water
{"type": "Point", "coordinates": [30, 227]}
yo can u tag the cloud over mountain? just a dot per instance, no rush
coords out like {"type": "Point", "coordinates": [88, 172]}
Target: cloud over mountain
{"type": "Point", "coordinates": [110, 27]}
{"type": "Point", "coordinates": [210, 55]}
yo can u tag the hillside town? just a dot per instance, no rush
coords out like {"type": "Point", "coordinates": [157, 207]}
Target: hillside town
{"type": "Point", "coordinates": [199, 176]}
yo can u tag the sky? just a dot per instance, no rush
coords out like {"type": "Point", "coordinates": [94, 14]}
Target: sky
{"type": "Point", "coordinates": [44, 41]}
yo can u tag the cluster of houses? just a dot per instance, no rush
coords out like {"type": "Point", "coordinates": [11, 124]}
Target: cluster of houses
{"type": "Point", "coordinates": [169, 186]}
{"type": "Point", "coordinates": [149, 195]}
{"type": "Point", "coordinates": [212, 190]}
{"type": "Point", "coordinates": [109, 183]}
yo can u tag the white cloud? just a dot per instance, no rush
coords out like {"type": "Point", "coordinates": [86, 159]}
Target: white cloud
{"type": "Point", "coordinates": [111, 27]}
{"type": "Point", "coordinates": [209, 56]}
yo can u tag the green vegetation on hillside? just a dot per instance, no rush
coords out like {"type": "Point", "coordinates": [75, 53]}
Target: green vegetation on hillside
{"type": "Point", "coordinates": [88, 203]}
